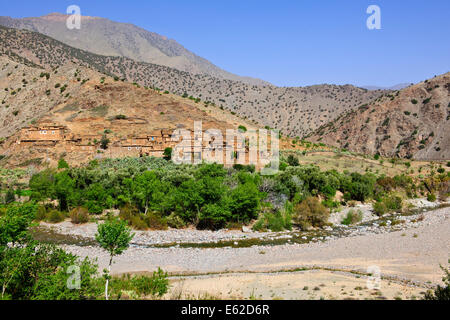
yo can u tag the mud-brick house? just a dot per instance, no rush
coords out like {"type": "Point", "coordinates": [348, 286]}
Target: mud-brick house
{"type": "Point", "coordinates": [131, 147]}
{"type": "Point", "coordinates": [83, 147]}
{"type": "Point", "coordinates": [161, 138]}
{"type": "Point", "coordinates": [166, 134]}
{"type": "Point", "coordinates": [47, 133]}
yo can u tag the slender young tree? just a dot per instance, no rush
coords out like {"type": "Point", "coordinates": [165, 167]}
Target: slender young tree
{"type": "Point", "coordinates": [114, 236]}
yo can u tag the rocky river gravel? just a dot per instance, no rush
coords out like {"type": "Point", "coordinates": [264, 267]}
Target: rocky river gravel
{"type": "Point", "coordinates": [406, 249]}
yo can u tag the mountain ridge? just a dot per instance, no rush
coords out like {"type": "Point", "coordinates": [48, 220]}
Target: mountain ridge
{"type": "Point", "coordinates": [106, 37]}
{"type": "Point", "coordinates": [296, 111]}
{"type": "Point", "coordinates": [411, 123]}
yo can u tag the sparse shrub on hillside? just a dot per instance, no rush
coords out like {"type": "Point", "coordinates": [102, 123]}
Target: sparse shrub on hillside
{"type": "Point", "coordinates": [403, 181]}
{"type": "Point", "coordinates": [431, 197]}
{"type": "Point", "coordinates": [387, 183]}
{"type": "Point", "coordinates": [104, 142]}
{"type": "Point", "coordinates": [45, 74]}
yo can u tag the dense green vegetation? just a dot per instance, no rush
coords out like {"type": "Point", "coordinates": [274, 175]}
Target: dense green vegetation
{"type": "Point", "coordinates": [155, 193]}
{"type": "Point", "coordinates": [35, 271]}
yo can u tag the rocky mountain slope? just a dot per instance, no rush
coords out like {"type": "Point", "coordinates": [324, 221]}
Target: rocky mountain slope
{"type": "Point", "coordinates": [296, 111]}
{"type": "Point", "coordinates": [109, 38]}
{"type": "Point", "coordinates": [411, 123]}
{"type": "Point", "coordinates": [90, 105]}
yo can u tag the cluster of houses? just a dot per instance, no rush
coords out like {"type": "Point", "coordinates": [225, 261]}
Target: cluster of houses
{"type": "Point", "coordinates": [151, 144]}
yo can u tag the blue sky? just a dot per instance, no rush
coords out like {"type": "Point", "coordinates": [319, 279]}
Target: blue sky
{"type": "Point", "coordinates": [289, 43]}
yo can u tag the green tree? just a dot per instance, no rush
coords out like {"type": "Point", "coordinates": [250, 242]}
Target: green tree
{"type": "Point", "coordinates": [144, 189]}
{"type": "Point", "coordinates": [167, 154]}
{"type": "Point", "coordinates": [213, 216]}
{"type": "Point", "coordinates": [189, 201]}
{"type": "Point", "coordinates": [245, 202]}
{"type": "Point", "coordinates": [293, 161]}
{"type": "Point", "coordinates": [62, 164]}
{"type": "Point", "coordinates": [64, 188]}
{"type": "Point", "coordinates": [42, 185]}
{"type": "Point", "coordinates": [14, 224]}
{"type": "Point", "coordinates": [114, 236]}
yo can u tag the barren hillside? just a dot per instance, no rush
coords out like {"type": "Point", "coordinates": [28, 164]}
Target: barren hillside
{"type": "Point", "coordinates": [296, 111]}
{"type": "Point", "coordinates": [411, 123]}
{"type": "Point", "coordinates": [89, 105]}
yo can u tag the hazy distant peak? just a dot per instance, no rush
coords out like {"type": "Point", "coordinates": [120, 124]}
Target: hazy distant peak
{"type": "Point", "coordinates": [399, 86]}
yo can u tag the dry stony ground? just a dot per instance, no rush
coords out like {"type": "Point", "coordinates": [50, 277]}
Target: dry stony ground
{"type": "Point", "coordinates": [408, 260]}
